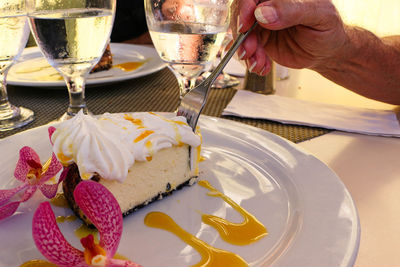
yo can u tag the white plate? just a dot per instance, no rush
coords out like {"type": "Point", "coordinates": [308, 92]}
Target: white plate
{"type": "Point", "coordinates": [310, 216]}
{"type": "Point", "coordinates": [26, 73]}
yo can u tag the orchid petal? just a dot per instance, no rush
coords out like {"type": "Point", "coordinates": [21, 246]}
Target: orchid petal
{"type": "Point", "coordinates": [28, 159]}
{"type": "Point", "coordinates": [50, 241]}
{"type": "Point", "coordinates": [28, 193]}
{"type": "Point", "coordinates": [121, 263]}
{"type": "Point", "coordinates": [9, 209]}
{"type": "Point", "coordinates": [51, 130]}
{"type": "Point", "coordinates": [102, 209]}
{"type": "Point", "coordinates": [7, 194]}
{"type": "Point", "coordinates": [63, 174]}
{"type": "Point", "coordinates": [54, 167]}
{"type": "Point", "coordinates": [49, 190]}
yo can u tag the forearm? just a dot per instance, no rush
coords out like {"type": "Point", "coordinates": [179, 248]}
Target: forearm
{"type": "Point", "coordinates": [367, 65]}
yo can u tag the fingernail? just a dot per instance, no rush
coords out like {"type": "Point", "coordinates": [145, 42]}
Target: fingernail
{"type": "Point", "coordinates": [262, 71]}
{"type": "Point", "coordinates": [242, 55]}
{"type": "Point", "coordinates": [252, 66]}
{"type": "Point", "coordinates": [240, 25]}
{"type": "Point", "coordinates": [266, 14]}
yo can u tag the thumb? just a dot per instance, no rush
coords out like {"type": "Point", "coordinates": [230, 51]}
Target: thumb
{"type": "Point", "coordinates": [281, 14]}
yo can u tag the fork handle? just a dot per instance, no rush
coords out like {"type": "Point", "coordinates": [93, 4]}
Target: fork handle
{"type": "Point", "coordinates": [217, 71]}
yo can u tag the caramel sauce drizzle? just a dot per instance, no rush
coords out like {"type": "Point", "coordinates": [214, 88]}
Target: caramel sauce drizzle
{"type": "Point", "coordinates": [43, 263]}
{"type": "Point", "coordinates": [84, 231]}
{"type": "Point", "coordinates": [210, 256]}
{"type": "Point", "coordinates": [69, 218]}
{"type": "Point", "coordinates": [38, 263]}
{"type": "Point", "coordinates": [50, 77]}
{"type": "Point", "coordinates": [199, 157]}
{"type": "Point", "coordinates": [175, 124]}
{"type": "Point", "coordinates": [63, 158]}
{"type": "Point", "coordinates": [244, 233]}
{"type": "Point", "coordinates": [59, 201]}
{"type": "Point", "coordinates": [33, 69]}
{"type": "Point", "coordinates": [129, 66]}
{"type": "Point", "coordinates": [143, 135]}
{"type": "Point", "coordinates": [137, 122]}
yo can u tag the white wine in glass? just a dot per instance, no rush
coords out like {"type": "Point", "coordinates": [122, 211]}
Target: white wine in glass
{"type": "Point", "coordinates": [187, 35]}
{"type": "Point", "coordinates": [14, 33]}
{"type": "Point", "coordinates": [72, 36]}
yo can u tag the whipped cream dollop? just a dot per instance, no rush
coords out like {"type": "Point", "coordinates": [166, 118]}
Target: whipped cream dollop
{"type": "Point", "coordinates": [110, 144]}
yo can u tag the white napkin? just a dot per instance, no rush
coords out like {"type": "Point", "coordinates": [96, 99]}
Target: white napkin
{"type": "Point", "coordinates": [295, 111]}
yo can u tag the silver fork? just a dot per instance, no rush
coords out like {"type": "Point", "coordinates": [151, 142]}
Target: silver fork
{"type": "Point", "coordinates": [194, 101]}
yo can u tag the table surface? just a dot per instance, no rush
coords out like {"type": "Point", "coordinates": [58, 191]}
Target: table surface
{"type": "Point", "coordinates": [367, 165]}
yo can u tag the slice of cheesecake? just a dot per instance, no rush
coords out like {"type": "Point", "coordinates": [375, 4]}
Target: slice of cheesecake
{"type": "Point", "coordinates": [139, 157]}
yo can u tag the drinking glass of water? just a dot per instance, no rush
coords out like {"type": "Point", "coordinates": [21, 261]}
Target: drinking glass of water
{"type": "Point", "coordinates": [72, 35]}
{"type": "Point", "coordinates": [224, 80]}
{"type": "Point", "coordinates": [187, 35]}
{"type": "Point", "coordinates": [14, 33]}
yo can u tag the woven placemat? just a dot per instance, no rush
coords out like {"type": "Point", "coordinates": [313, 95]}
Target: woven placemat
{"type": "Point", "coordinates": [155, 92]}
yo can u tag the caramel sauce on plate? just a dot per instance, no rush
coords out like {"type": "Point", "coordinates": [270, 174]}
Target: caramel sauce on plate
{"type": "Point", "coordinates": [129, 66]}
{"type": "Point", "coordinates": [210, 256]}
{"type": "Point", "coordinates": [34, 69]}
{"type": "Point", "coordinates": [244, 233]}
{"type": "Point", "coordinates": [69, 218]}
{"type": "Point", "coordinates": [59, 201]}
{"type": "Point", "coordinates": [248, 231]}
{"type": "Point", "coordinates": [43, 263]}
{"type": "Point", "coordinates": [37, 263]}
{"type": "Point", "coordinates": [84, 231]}
{"type": "Point", "coordinates": [50, 77]}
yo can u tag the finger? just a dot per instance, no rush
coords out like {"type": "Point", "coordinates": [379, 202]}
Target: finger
{"type": "Point", "coordinates": [248, 47]}
{"type": "Point", "coordinates": [228, 46]}
{"type": "Point", "coordinates": [257, 62]}
{"type": "Point", "coordinates": [277, 15]}
{"type": "Point", "coordinates": [267, 67]}
{"type": "Point", "coordinates": [246, 15]}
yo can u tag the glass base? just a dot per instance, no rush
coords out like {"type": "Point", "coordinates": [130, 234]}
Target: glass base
{"type": "Point", "coordinates": [224, 80]}
{"type": "Point", "coordinates": [22, 117]}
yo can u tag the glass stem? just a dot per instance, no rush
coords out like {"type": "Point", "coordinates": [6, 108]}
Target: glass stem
{"type": "Point", "coordinates": [6, 110]}
{"type": "Point", "coordinates": [76, 91]}
{"type": "Point", "coordinates": [185, 85]}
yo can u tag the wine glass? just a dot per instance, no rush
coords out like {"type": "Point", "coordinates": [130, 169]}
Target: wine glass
{"type": "Point", "coordinates": [224, 80]}
{"type": "Point", "coordinates": [14, 33]}
{"type": "Point", "coordinates": [72, 35]}
{"type": "Point", "coordinates": [187, 35]}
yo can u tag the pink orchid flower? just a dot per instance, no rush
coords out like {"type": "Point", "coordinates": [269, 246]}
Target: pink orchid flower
{"type": "Point", "coordinates": [33, 176]}
{"type": "Point", "coordinates": [102, 209]}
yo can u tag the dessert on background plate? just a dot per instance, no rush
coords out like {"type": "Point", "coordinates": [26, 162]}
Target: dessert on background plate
{"type": "Point", "coordinates": [105, 62]}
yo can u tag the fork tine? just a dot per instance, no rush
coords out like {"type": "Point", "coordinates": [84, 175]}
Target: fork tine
{"type": "Point", "coordinates": [194, 101]}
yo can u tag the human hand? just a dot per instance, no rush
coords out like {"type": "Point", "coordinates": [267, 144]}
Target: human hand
{"type": "Point", "coordinates": [295, 34]}
{"type": "Point", "coordinates": [178, 10]}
